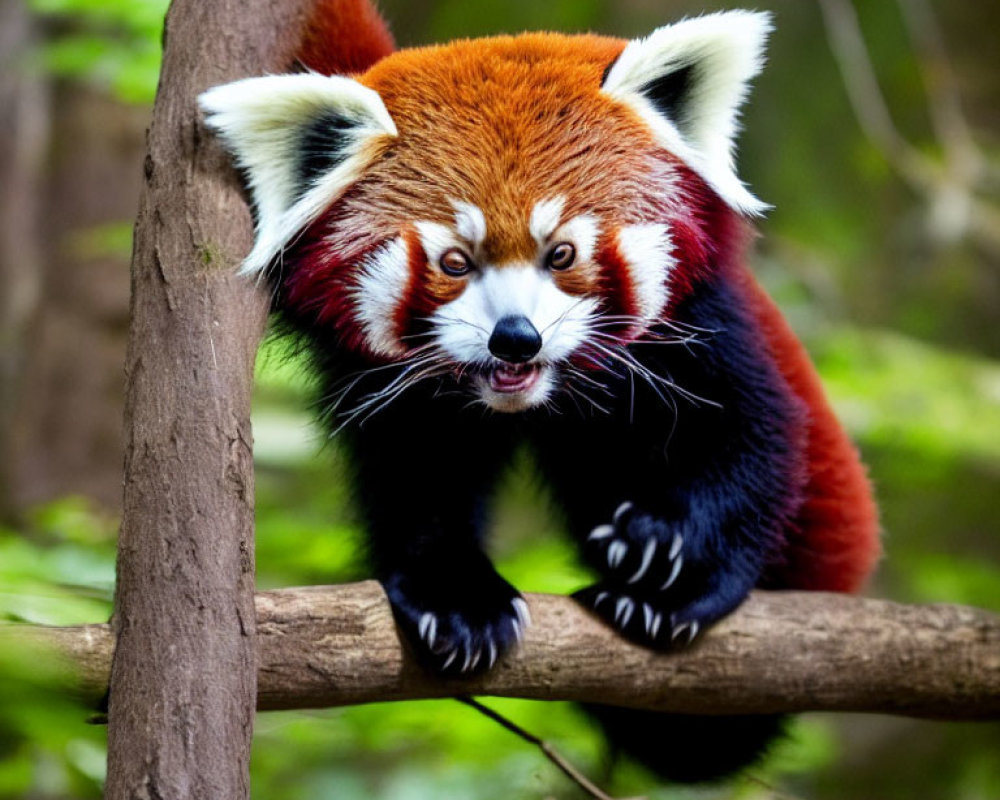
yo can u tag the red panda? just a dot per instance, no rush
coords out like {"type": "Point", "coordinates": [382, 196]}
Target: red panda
{"type": "Point", "coordinates": [540, 239]}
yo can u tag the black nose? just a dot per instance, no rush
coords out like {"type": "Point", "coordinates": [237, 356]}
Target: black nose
{"type": "Point", "coordinates": [515, 339]}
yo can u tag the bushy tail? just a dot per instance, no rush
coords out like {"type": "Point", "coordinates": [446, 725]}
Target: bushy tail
{"type": "Point", "coordinates": [684, 748]}
{"type": "Point", "coordinates": [344, 36]}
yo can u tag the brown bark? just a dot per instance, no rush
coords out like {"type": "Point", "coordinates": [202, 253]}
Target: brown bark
{"type": "Point", "coordinates": [780, 652]}
{"type": "Point", "coordinates": [183, 678]}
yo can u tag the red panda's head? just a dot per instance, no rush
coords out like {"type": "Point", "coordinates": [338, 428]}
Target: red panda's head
{"type": "Point", "coordinates": [509, 208]}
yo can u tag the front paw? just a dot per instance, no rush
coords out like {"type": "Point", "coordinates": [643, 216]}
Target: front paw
{"type": "Point", "coordinates": [643, 619]}
{"type": "Point", "coordinates": [458, 627]}
{"type": "Point", "coordinates": [638, 549]}
{"type": "Point", "coordinates": [663, 584]}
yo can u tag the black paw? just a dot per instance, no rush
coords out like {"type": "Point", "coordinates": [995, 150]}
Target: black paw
{"type": "Point", "coordinates": [638, 549]}
{"type": "Point", "coordinates": [642, 619]}
{"type": "Point", "coordinates": [663, 585]}
{"type": "Point", "coordinates": [458, 627]}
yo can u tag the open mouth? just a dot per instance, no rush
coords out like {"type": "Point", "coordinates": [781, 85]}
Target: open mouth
{"type": "Point", "coordinates": [506, 378]}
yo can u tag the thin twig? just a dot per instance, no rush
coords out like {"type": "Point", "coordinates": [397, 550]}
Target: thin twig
{"type": "Point", "coordinates": [866, 97]}
{"type": "Point", "coordinates": [948, 189]}
{"type": "Point", "coordinates": [944, 104]}
{"type": "Point", "coordinates": [550, 752]}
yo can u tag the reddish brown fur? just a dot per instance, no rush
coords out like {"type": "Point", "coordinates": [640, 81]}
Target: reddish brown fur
{"type": "Point", "coordinates": [503, 123]}
{"type": "Point", "coordinates": [344, 36]}
{"type": "Point", "coordinates": [834, 545]}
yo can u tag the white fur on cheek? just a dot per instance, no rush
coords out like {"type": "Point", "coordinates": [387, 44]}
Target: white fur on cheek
{"type": "Point", "coordinates": [647, 249]}
{"type": "Point", "coordinates": [384, 275]}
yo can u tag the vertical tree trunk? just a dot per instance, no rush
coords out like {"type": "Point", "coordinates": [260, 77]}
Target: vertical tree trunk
{"type": "Point", "coordinates": [183, 680]}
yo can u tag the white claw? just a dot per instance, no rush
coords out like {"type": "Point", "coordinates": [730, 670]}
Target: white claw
{"type": "Point", "coordinates": [521, 609]}
{"type": "Point", "coordinates": [601, 532]}
{"type": "Point", "coordinates": [675, 546]}
{"type": "Point", "coordinates": [492, 657]}
{"type": "Point", "coordinates": [449, 659]}
{"type": "Point", "coordinates": [621, 511]}
{"type": "Point", "coordinates": [518, 632]}
{"type": "Point", "coordinates": [428, 628]}
{"type": "Point", "coordinates": [616, 552]}
{"type": "Point", "coordinates": [647, 615]}
{"type": "Point", "coordinates": [623, 610]}
{"type": "Point", "coordinates": [467, 648]}
{"type": "Point", "coordinates": [647, 558]}
{"type": "Point", "coordinates": [655, 627]}
{"type": "Point", "coordinates": [601, 597]}
{"type": "Point", "coordinates": [690, 629]}
{"type": "Point", "coordinates": [674, 572]}
{"type": "Point", "coordinates": [474, 662]}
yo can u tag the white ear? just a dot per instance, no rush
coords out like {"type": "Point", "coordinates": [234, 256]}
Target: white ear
{"type": "Point", "coordinates": [688, 82]}
{"type": "Point", "coordinates": [302, 140]}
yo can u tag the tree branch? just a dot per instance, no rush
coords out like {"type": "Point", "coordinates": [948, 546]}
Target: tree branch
{"type": "Point", "coordinates": [780, 652]}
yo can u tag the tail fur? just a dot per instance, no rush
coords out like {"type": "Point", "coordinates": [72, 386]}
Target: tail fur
{"type": "Point", "coordinates": [684, 748]}
{"type": "Point", "coordinates": [345, 36]}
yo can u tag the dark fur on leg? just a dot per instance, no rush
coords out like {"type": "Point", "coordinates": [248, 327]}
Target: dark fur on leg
{"type": "Point", "coordinates": [688, 748]}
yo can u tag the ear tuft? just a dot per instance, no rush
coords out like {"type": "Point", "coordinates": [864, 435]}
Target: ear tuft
{"type": "Point", "coordinates": [301, 140]}
{"type": "Point", "coordinates": [688, 81]}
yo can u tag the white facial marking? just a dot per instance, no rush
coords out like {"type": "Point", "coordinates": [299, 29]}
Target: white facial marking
{"type": "Point", "coordinates": [383, 275]}
{"type": "Point", "coordinates": [545, 218]}
{"type": "Point", "coordinates": [647, 249]}
{"type": "Point", "coordinates": [726, 50]}
{"type": "Point", "coordinates": [582, 232]}
{"type": "Point", "coordinates": [470, 223]}
{"type": "Point", "coordinates": [464, 325]}
{"type": "Point", "coordinates": [436, 239]}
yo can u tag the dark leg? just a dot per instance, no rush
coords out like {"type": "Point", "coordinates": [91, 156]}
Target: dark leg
{"type": "Point", "coordinates": [425, 479]}
{"type": "Point", "coordinates": [679, 503]}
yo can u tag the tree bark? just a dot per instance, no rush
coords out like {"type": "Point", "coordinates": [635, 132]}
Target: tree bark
{"type": "Point", "coordinates": [780, 652]}
{"type": "Point", "coordinates": [183, 678]}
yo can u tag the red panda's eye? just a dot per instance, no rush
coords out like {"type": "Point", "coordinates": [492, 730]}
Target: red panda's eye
{"type": "Point", "coordinates": [561, 256]}
{"type": "Point", "coordinates": [455, 263]}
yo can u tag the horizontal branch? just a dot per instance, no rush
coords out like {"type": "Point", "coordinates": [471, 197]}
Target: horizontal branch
{"type": "Point", "coordinates": [780, 652]}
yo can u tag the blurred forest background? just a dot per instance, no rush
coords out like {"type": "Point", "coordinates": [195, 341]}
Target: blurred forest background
{"type": "Point", "coordinates": [883, 247]}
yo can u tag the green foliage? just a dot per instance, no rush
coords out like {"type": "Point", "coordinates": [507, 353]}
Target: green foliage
{"type": "Point", "coordinates": [898, 392]}
{"type": "Point", "coordinates": [60, 571]}
{"type": "Point", "coordinates": [115, 45]}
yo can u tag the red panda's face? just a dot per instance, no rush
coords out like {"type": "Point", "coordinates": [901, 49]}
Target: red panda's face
{"type": "Point", "coordinates": [506, 210]}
